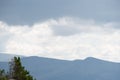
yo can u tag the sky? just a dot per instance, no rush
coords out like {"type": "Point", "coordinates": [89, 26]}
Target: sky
{"type": "Point", "coordinates": [62, 29]}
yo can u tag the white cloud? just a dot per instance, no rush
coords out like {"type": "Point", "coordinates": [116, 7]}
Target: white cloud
{"type": "Point", "coordinates": [64, 38]}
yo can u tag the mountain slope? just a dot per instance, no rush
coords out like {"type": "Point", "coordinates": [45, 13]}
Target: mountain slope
{"type": "Point", "coordinates": [88, 69]}
{"type": "Point", "coordinates": [5, 57]}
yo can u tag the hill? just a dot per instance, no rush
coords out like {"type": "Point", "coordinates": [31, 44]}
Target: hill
{"type": "Point", "coordinates": [53, 69]}
{"type": "Point", "coordinates": [6, 57]}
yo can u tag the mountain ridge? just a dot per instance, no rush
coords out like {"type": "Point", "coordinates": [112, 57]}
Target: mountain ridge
{"type": "Point", "coordinates": [54, 69]}
{"type": "Point", "coordinates": [5, 57]}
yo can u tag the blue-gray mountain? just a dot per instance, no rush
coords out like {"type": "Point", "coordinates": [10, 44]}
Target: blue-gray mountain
{"type": "Point", "coordinates": [5, 57]}
{"type": "Point", "coordinates": [53, 69]}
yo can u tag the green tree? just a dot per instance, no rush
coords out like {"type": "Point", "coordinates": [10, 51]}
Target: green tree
{"type": "Point", "coordinates": [3, 75]}
{"type": "Point", "coordinates": [17, 71]}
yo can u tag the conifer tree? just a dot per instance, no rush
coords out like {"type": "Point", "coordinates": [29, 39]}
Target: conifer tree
{"type": "Point", "coordinates": [17, 71]}
{"type": "Point", "coordinates": [3, 75]}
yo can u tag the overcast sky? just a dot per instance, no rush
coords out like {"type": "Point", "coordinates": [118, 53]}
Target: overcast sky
{"type": "Point", "coordinates": [63, 29]}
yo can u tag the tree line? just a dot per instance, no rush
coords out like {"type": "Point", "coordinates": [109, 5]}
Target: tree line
{"type": "Point", "coordinates": [16, 71]}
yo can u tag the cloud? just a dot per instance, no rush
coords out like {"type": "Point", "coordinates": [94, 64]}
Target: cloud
{"type": "Point", "coordinates": [62, 38]}
{"type": "Point", "coordinates": [13, 13]}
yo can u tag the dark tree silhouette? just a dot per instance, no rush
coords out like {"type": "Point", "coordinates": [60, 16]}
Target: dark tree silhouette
{"type": "Point", "coordinates": [3, 75]}
{"type": "Point", "coordinates": [17, 71]}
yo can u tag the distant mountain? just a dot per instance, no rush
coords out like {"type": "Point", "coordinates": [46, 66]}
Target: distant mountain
{"type": "Point", "coordinates": [6, 57]}
{"type": "Point", "coordinates": [53, 69]}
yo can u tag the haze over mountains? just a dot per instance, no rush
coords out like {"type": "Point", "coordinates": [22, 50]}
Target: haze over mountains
{"type": "Point", "coordinates": [7, 57]}
{"type": "Point", "coordinates": [53, 69]}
